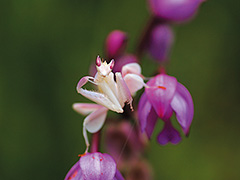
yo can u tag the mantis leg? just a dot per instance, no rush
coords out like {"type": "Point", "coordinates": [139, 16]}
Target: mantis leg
{"type": "Point", "coordinates": [97, 97]}
{"type": "Point", "coordinates": [124, 94]}
{"type": "Point", "coordinates": [85, 108]}
{"type": "Point", "coordinates": [93, 123]}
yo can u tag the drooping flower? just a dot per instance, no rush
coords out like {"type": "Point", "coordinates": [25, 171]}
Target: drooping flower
{"type": "Point", "coordinates": [164, 95]}
{"type": "Point", "coordinates": [94, 166]}
{"type": "Point", "coordinates": [174, 10]}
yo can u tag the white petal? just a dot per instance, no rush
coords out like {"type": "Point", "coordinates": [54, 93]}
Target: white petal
{"type": "Point", "coordinates": [132, 68]}
{"type": "Point", "coordinates": [134, 82]}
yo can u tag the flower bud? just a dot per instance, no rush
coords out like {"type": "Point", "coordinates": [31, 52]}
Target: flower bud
{"type": "Point", "coordinates": [174, 10]}
{"type": "Point", "coordinates": [160, 42]}
{"type": "Point", "coordinates": [115, 43]}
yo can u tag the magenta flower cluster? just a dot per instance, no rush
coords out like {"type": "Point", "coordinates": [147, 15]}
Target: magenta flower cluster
{"type": "Point", "coordinates": [117, 81]}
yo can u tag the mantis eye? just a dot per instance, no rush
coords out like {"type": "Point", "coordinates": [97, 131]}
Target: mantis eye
{"type": "Point", "coordinates": [98, 61]}
{"type": "Point", "coordinates": [111, 64]}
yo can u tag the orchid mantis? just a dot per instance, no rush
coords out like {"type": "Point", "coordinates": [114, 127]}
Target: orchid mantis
{"type": "Point", "coordinates": [111, 94]}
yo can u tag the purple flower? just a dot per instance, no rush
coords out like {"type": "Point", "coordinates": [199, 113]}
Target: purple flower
{"type": "Point", "coordinates": [94, 166]}
{"type": "Point", "coordinates": [174, 10]}
{"type": "Point", "coordinates": [116, 43]}
{"type": "Point", "coordinates": [164, 95]}
{"type": "Point", "coordinates": [160, 42]}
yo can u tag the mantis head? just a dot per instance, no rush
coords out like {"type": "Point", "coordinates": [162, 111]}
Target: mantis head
{"type": "Point", "coordinates": [103, 68]}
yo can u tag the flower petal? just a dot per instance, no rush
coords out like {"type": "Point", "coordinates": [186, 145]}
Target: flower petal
{"type": "Point", "coordinates": [152, 120]}
{"type": "Point", "coordinates": [168, 114]}
{"type": "Point", "coordinates": [146, 115]}
{"type": "Point", "coordinates": [118, 176]}
{"type": "Point", "coordinates": [168, 134]}
{"type": "Point", "coordinates": [134, 83]}
{"type": "Point", "coordinates": [182, 104]}
{"type": "Point", "coordinates": [85, 108]}
{"type": "Point", "coordinates": [160, 42]}
{"type": "Point", "coordinates": [74, 173]}
{"type": "Point", "coordinates": [97, 166]}
{"type": "Point", "coordinates": [160, 92]}
{"type": "Point", "coordinates": [144, 108]}
{"type": "Point", "coordinates": [132, 68]}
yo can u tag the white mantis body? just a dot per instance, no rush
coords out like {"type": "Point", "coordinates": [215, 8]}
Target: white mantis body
{"type": "Point", "coordinates": [111, 95]}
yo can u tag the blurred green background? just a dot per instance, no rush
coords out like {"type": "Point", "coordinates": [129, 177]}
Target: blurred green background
{"type": "Point", "coordinates": [47, 45]}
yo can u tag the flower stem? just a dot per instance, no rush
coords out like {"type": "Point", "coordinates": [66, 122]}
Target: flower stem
{"type": "Point", "coordinates": [162, 70]}
{"type": "Point", "coordinates": [96, 137]}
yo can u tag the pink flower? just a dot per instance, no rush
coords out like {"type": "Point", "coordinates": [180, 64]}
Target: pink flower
{"type": "Point", "coordinates": [164, 95]}
{"type": "Point", "coordinates": [94, 166]}
{"type": "Point", "coordinates": [116, 43]}
{"type": "Point", "coordinates": [115, 48]}
{"type": "Point", "coordinates": [160, 42]}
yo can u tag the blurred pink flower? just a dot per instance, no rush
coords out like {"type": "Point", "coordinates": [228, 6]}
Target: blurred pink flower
{"type": "Point", "coordinates": [174, 10]}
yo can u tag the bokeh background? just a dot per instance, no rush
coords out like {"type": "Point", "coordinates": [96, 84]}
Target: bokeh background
{"type": "Point", "coordinates": [47, 45]}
